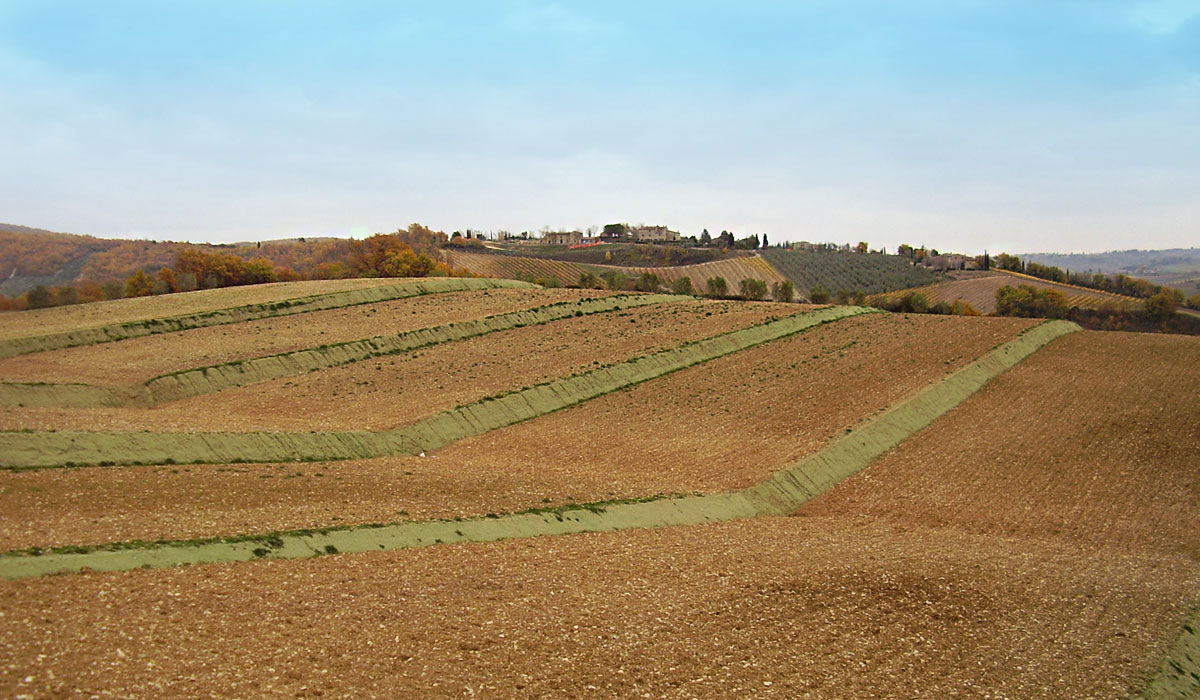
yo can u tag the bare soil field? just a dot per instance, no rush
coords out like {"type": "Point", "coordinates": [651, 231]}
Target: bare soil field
{"type": "Point", "coordinates": [387, 392]}
{"type": "Point", "coordinates": [140, 359]}
{"type": "Point", "coordinates": [19, 324]}
{"type": "Point", "coordinates": [722, 425]}
{"type": "Point", "coordinates": [1093, 439]}
{"type": "Point", "coordinates": [979, 291]}
{"type": "Point", "coordinates": [772, 607]}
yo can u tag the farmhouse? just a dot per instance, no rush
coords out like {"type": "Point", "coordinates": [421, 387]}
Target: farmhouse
{"type": "Point", "coordinates": [563, 238]}
{"type": "Point", "coordinates": [645, 234]}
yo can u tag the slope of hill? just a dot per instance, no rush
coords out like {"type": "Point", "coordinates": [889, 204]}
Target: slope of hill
{"type": "Point", "coordinates": [733, 269]}
{"type": "Point", "coordinates": [979, 290]}
{"type": "Point", "coordinates": [1173, 267]}
{"type": "Point", "coordinates": [837, 271]}
{"type": "Point", "coordinates": [986, 506]}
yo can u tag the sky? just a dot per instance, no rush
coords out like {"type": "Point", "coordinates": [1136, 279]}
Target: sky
{"type": "Point", "coordinates": [964, 125]}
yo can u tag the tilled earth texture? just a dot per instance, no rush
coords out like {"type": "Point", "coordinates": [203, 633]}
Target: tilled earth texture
{"type": "Point", "coordinates": [1039, 539]}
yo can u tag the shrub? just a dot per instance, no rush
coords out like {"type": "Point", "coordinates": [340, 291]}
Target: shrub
{"type": "Point", "coordinates": [752, 289]}
{"type": "Point", "coordinates": [1161, 306]}
{"type": "Point", "coordinates": [819, 295]}
{"type": "Point", "coordinates": [587, 280]}
{"type": "Point", "coordinates": [648, 282]}
{"type": "Point", "coordinates": [716, 287]}
{"type": "Point", "coordinates": [783, 291]}
{"type": "Point", "coordinates": [683, 285]}
{"type": "Point", "coordinates": [1026, 301]}
{"type": "Point", "coordinates": [39, 298]}
{"type": "Point", "coordinates": [614, 280]}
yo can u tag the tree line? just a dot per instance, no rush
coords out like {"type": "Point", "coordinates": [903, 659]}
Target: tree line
{"type": "Point", "coordinates": [407, 252]}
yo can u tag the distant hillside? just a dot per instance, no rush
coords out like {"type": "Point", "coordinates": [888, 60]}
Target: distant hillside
{"type": "Point", "coordinates": [30, 257]}
{"type": "Point", "coordinates": [836, 271]}
{"type": "Point", "coordinates": [733, 269]}
{"type": "Point", "coordinates": [1174, 267]}
{"type": "Point", "coordinates": [979, 290]}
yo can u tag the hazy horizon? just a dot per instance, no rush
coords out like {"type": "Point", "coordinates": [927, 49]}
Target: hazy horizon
{"type": "Point", "coordinates": [966, 125]}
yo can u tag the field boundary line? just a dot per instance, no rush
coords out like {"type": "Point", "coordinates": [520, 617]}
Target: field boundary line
{"type": "Point", "coordinates": [34, 450]}
{"type": "Point", "coordinates": [250, 312]}
{"type": "Point", "coordinates": [782, 493]}
{"type": "Point", "coordinates": [198, 381]}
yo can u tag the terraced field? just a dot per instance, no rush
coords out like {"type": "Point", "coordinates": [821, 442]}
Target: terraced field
{"type": "Point", "coordinates": [982, 507]}
{"type": "Point", "coordinates": [979, 290]}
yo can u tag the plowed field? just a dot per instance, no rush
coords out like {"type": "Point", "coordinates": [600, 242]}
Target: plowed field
{"type": "Point", "coordinates": [707, 428]}
{"type": "Point", "coordinates": [1041, 539]}
{"type": "Point", "coordinates": [773, 607]}
{"type": "Point", "coordinates": [980, 292]}
{"type": "Point", "coordinates": [1106, 456]}
{"type": "Point", "coordinates": [390, 391]}
{"type": "Point", "coordinates": [139, 359]}
{"type": "Point", "coordinates": [102, 313]}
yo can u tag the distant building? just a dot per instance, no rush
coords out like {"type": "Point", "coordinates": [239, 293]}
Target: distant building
{"type": "Point", "coordinates": [653, 234]}
{"type": "Point", "coordinates": [563, 238]}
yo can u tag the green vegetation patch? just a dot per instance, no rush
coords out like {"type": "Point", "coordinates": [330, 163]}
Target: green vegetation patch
{"type": "Point", "coordinates": [1179, 673]}
{"type": "Point", "coordinates": [835, 272]}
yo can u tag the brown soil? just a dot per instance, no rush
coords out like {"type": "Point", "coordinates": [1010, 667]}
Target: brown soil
{"type": "Point", "coordinates": [774, 607]}
{"type": "Point", "coordinates": [725, 424]}
{"type": "Point", "coordinates": [140, 359]}
{"type": "Point", "coordinates": [102, 313]}
{"type": "Point", "coordinates": [1096, 428]}
{"type": "Point", "coordinates": [390, 391]}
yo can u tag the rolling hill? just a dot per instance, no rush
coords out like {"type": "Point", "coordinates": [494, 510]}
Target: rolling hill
{"type": "Point", "coordinates": [480, 487]}
{"type": "Point", "coordinates": [979, 290]}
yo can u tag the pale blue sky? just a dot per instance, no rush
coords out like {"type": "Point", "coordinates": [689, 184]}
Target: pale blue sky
{"type": "Point", "coordinates": [963, 125]}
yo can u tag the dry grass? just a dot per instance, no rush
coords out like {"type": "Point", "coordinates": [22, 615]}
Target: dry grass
{"type": "Point", "coordinates": [721, 425]}
{"type": "Point", "coordinates": [391, 391]}
{"type": "Point", "coordinates": [140, 359]}
{"type": "Point", "coordinates": [19, 324]}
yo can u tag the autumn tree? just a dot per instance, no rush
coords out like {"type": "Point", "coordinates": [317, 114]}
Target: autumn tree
{"type": "Point", "coordinates": [39, 298]}
{"type": "Point", "coordinates": [139, 285]}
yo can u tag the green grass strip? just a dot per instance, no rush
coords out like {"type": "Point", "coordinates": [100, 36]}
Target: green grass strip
{"type": "Point", "coordinates": [199, 381]}
{"type": "Point", "coordinates": [22, 450]}
{"type": "Point", "coordinates": [782, 493]}
{"type": "Point", "coordinates": [1178, 675]}
{"type": "Point", "coordinates": [250, 312]}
